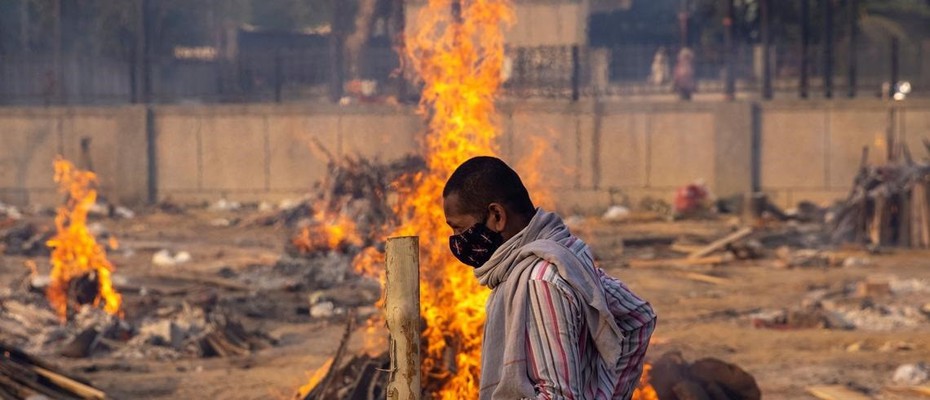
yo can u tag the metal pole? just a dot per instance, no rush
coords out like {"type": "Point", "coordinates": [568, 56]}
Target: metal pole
{"type": "Point", "coordinates": [852, 55]}
{"type": "Point", "coordinates": [728, 42]}
{"type": "Point", "coordinates": [58, 74]}
{"type": "Point", "coordinates": [278, 76]}
{"type": "Point", "coordinates": [827, 48]}
{"type": "Point", "coordinates": [24, 26]}
{"type": "Point", "coordinates": [683, 17]}
{"type": "Point", "coordinates": [402, 314]}
{"type": "Point", "coordinates": [765, 9]}
{"type": "Point", "coordinates": [805, 48]}
{"type": "Point", "coordinates": [895, 66]}
{"type": "Point", "coordinates": [576, 72]}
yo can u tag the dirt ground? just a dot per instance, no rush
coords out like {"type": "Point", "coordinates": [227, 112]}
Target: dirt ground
{"type": "Point", "coordinates": [699, 319]}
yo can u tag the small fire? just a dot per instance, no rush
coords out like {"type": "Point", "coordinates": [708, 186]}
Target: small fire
{"type": "Point", "coordinates": [75, 251]}
{"type": "Point", "coordinates": [645, 391]}
{"type": "Point", "coordinates": [329, 230]}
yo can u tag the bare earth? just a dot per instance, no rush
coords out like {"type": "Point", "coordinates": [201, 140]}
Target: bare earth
{"type": "Point", "coordinates": [698, 318]}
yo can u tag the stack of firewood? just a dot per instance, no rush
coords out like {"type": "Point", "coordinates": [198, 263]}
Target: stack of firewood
{"type": "Point", "coordinates": [889, 204]}
{"type": "Point", "coordinates": [25, 377]}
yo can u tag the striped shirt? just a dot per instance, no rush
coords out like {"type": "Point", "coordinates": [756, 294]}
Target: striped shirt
{"type": "Point", "coordinates": [562, 361]}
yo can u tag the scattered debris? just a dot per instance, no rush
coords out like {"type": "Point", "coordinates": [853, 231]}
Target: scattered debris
{"type": "Point", "coordinates": [164, 258]}
{"type": "Point", "coordinates": [616, 213]}
{"type": "Point", "coordinates": [693, 200]}
{"type": "Point", "coordinates": [912, 374]}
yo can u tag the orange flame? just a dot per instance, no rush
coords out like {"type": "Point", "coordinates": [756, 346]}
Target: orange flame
{"type": "Point", "coordinates": [75, 252]}
{"type": "Point", "coordinates": [330, 230]}
{"type": "Point", "coordinates": [645, 391]}
{"type": "Point", "coordinates": [457, 47]}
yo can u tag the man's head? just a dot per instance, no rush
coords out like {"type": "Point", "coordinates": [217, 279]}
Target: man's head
{"type": "Point", "coordinates": [485, 191]}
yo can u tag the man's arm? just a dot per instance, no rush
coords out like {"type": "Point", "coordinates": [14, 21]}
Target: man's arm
{"type": "Point", "coordinates": [553, 337]}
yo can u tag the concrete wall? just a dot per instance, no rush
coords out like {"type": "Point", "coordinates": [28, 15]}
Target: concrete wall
{"type": "Point", "coordinates": [812, 150]}
{"type": "Point", "coordinates": [30, 138]}
{"type": "Point", "coordinates": [577, 157]}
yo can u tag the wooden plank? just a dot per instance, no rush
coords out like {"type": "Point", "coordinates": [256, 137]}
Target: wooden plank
{"type": "Point", "coordinates": [714, 280]}
{"type": "Point", "coordinates": [920, 390]}
{"type": "Point", "coordinates": [71, 385]}
{"type": "Point", "coordinates": [719, 244]}
{"type": "Point", "coordinates": [835, 392]}
{"type": "Point", "coordinates": [679, 262]}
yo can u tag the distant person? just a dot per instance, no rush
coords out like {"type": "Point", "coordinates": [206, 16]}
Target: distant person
{"type": "Point", "coordinates": [558, 327]}
{"type": "Point", "coordinates": [660, 71]}
{"type": "Point", "coordinates": [684, 81]}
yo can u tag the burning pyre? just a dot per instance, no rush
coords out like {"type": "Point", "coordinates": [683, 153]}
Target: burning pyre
{"type": "Point", "coordinates": [457, 48]}
{"type": "Point", "coordinates": [76, 253]}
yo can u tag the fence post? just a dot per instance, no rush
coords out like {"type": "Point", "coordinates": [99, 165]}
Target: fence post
{"type": "Point", "coordinates": [402, 313]}
{"type": "Point", "coordinates": [278, 76]}
{"type": "Point", "coordinates": [576, 72]}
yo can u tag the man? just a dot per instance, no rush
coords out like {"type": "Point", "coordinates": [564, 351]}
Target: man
{"type": "Point", "coordinates": [557, 326]}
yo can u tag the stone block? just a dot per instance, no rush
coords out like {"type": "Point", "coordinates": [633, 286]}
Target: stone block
{"type": "Point", "coordinates": [623, 151]}
{"type": "Point", "coordinates": [235, 152]}
{"type": "Point", "coordinates": [850, 131]}
{"type": "Point", "coordinates": [178, 152]}
{"type": "Point", "coordinates": [681, 148]}
{"type": "Point", "coordinates": [384, 136]}
{"type": "Point", "coordinates": [793, 149]}
{"type": "Point", "coordinates": [296, 161]}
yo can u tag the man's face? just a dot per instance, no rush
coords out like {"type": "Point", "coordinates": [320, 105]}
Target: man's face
{"type": "Point", "coordinates": [455, 218]}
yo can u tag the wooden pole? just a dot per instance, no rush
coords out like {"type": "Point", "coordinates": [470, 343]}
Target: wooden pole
{"type": "Point", "coordinates": [402, 312]}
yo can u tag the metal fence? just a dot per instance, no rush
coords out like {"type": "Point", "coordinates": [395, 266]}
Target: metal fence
{"type": "Point", "coordinates": [550, 72]}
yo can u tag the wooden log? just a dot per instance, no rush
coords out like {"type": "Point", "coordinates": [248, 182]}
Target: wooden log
{"type": "Point", "coordinates": [71, 385]}
{"type": "Point", "coordinates": [714, 280]}
{"type": "Point", "coordinates": [402, 313]}
{"type": "Point", "coordinates": [679, 262]}
{"type": "Point", "coordinates": [835, 392]}
{"type": "Point", "coordinates": [878, 226]}
{"type": "Point", "coordinates": [923, 391]}
{"type": "Point", "coordinates": [719, 244]}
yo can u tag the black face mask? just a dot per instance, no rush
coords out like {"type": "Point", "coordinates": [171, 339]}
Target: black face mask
{"type": "Point", "coordinates": [475, 245]}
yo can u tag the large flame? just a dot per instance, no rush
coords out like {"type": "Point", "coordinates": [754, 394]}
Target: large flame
{"type": "Point", "coordinates": [457, 48]}
{"type": "Point", "coordinates": [75, 251]}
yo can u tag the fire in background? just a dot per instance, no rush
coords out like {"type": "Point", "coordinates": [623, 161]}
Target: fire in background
{"type": "Point", "coordinates": [75, 252]}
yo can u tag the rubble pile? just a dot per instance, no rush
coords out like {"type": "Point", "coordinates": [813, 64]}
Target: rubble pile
{"type": "Point", "coordinates": [877, 303]}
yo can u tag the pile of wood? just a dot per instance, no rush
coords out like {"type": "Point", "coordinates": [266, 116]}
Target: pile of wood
{"type": "Point", "coordinates": [362, 377]}
{"type": "Point", "coordinates": [25, 377]}
{"type": "Point", "coordinates": [889, 204]}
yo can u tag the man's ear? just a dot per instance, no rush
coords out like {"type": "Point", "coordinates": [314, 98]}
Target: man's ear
{"type": "Point", "coordinates": [497, 218]}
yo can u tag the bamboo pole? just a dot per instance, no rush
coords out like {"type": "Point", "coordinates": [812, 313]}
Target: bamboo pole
{"type": "Point", "coordinates": [402, 312]}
